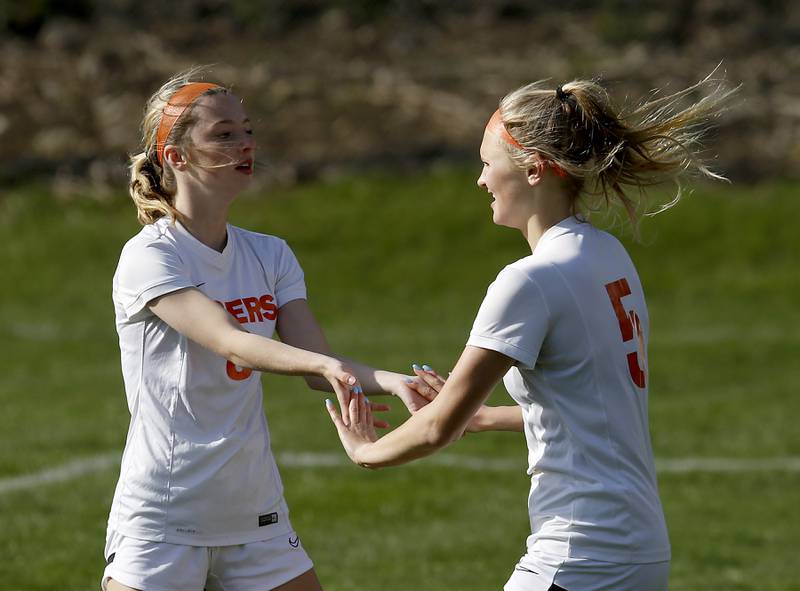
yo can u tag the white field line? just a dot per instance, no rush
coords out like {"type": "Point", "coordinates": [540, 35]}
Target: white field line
{"type": "Point", "coordinates": [76, 468]}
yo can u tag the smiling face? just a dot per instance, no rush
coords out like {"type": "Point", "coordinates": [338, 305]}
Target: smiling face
{"type": "Point", "coordinates": [221, 142]}
{"type": "Point", "coordinates": [505, 182]}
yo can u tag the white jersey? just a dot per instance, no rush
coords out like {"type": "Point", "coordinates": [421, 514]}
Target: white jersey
{"type": "Point", "coordinates": [197, 467]}
{"type": "Point", "coordinates": [573, 317]}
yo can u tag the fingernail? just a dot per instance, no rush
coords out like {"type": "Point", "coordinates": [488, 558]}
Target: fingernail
{"type": "Point", "coordinates": [415, 366]}
{"type": "Point", "coordinates": [359, 390]}
{"type": "Point", "coordinates": [328, 402]}
{"type": "Point", "coordinates": [351, 380]}
{"type": "Point", "coordinates": [427, 367]}
{"type": "Point", "coordinates": [366, 399]}
{"type": "Point", "coordinates": [409, 380]}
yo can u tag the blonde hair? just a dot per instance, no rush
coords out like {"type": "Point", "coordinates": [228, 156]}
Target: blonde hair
{"type": "Point", "coordinates": [577, 128]}
{"type": "Point", "coordinates": [152, 185]}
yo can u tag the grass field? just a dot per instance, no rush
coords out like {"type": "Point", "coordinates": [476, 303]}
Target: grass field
{"type": "Point", "coordinates": [396, 268]}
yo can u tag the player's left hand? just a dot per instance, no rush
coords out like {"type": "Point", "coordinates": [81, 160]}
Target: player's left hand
{"type": "Point", "coordinates": [428, 383]}
{"type": "Point", "coordinates": [406, 389]}
{"type": "Point", "coordinates": [360, 431]}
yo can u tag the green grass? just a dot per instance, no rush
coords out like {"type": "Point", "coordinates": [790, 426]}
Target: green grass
{"type": "Point", "coordinates": [396, 269]}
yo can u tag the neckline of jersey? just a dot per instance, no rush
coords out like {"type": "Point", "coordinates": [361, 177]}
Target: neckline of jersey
{"type": "Point", "coordinates": [211, 256]}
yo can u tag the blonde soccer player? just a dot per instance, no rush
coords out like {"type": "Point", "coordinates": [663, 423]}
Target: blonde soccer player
{"type": "Point", "coordinates": [199, 503]}
{"type": "Point", "coordinates": [566, 329]}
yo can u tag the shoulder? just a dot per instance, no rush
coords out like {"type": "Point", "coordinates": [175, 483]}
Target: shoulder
{"type": "Point", "coordinates": [154, 247]}
{"type": "Point", "coordinates": [155, 237]}
{"type": "Point", "coordinates": [259, 241]}
{"type": "Point", "coordinates": [532, 271]}
{"type": "Point", "coordinates": [521, 280]}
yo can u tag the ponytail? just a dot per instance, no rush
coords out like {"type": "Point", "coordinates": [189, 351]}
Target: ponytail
{"type": "Point", "coordinates": [152, 199]}
{"type": "Point", "coordinates": [604, 152]}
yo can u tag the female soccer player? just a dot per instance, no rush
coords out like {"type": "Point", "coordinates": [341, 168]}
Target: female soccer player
{"type": "Point", "coordinates": [566, 328]}
{"type": "Point", "coordinates": [199, 503]}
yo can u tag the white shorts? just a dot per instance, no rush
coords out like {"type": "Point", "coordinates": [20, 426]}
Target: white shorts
{"type": "Point", "coordinates": [157, 566]}
{"type": "Point", "coordinates": [580, 574]}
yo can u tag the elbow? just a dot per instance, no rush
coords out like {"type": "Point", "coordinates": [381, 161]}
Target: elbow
{"type": "Point", "coordinates": [230, 349]}
{"type": "Point", "coordinates": [439, 435]}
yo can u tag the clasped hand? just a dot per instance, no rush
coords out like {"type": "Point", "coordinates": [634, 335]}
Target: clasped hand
{"type": "Point", "coordinates": [356, 424]}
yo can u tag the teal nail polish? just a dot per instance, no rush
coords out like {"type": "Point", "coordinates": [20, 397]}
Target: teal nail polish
{"type": "Point", "coordinates": [366, 399]}
{"type": "Point", "coordinates": [415, 366]}
{"type": "Point", "coordinates": [427, 367]}
{"type": "Point", "coordinates": [328, 402]}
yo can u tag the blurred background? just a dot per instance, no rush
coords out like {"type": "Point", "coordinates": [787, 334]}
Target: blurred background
{"type": "Point", "coordinates": [368, 116]}
{"type": "Point", "coordinates": [355, 84]}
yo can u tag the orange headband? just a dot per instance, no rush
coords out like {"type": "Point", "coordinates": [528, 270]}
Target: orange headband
{"type": "Point", "coordinates": [497, 126]}
{"type": "Point", "coordinates": [173, 110]}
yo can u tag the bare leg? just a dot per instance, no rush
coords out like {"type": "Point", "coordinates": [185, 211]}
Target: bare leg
{"type": "Point", "coordinates": [112, 585]}
{"type": "Point", "coordinates": [308, 581]}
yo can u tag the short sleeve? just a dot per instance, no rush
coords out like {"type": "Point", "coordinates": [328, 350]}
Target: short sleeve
{"type": "Point", "coordinates": [513, 318]}
{"type": "Point", "coordinates": [145, 272]}
{"type": "Point", "coordinates": [290, 281]}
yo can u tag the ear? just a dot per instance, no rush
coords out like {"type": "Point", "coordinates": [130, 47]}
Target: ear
{"type": "Point", "coordinates": [535, 173]}
{"type": "Point", "coordinates": [173, 155]}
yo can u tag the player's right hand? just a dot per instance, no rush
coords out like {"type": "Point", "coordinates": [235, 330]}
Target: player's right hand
{"type": "Point", "coordinates": [360, 431]}
{"type": "Point", "coordinates": [344, 383]}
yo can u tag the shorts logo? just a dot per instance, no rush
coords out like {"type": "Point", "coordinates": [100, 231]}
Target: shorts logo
{"type": "Point", "coordinates": [294, 543]}
{"type": "Point", "coordinates": [110, 558]}
{"type": "Point", "coordinates": [267, 519]}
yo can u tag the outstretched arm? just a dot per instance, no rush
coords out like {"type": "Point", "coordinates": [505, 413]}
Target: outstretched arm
{"type": "Point", "coordinates": [297, 326]}
{"type": "Point", "coordinates": [205, 322]}
{"type": "Point", "coordinates": [437, 424]}
{"type": "Point", "coordinates": [487, 418]}
{"type": "Point", "coordinates": [497, 418]}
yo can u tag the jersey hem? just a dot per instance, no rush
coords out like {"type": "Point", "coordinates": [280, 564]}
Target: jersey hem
{"type": "Point", "coordinates": [493, 344]}
{"type": "Point", "coordinates": [613, 557]}
{"type": "Point", "coordinates": [151, 293]}
{"type": "Point", "coordinates": [284, 297]}
{"type": "Point", "coordinates": [229, 539]}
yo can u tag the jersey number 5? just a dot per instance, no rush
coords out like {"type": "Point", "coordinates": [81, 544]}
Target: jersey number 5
{"type": "Point", "coordinates": [628, 324]}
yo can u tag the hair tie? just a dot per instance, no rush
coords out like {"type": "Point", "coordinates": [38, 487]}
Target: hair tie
{"type": "Point", "coordinates": [176, 105]}
{"type": "Point", "coordinates": [561, 95]}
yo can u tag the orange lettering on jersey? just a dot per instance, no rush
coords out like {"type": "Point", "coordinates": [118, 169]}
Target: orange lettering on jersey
{"type": "Point", "coordinates": [616, 291]}
{"type": "Point", "coordinates": [234, 307]}
{"type": "Point", "coordinates": [627, 323]}
{"type": "Point", "coordinates": [270, 309]}
{"type": "Point", "coordinates": [253, 308]}
{"type": "Point", "coordinates": [248, 310]}
{"type": "Point", "coordinates": [237, 373]}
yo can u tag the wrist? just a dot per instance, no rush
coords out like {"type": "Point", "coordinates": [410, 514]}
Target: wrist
{"type": "Point", "coordinates": [358, 455]}
{"type": "Point", "coordinates": [322, 365]}
{"type": "Point", "coordinates": [388, 381]}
